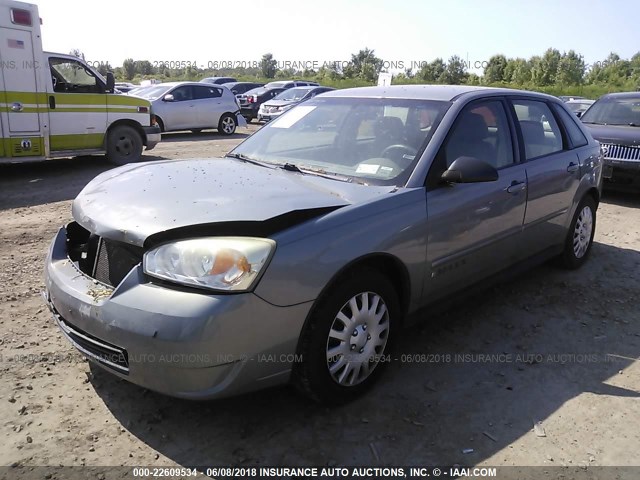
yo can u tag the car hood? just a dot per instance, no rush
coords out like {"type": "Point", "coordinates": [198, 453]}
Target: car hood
{"type": "Point", "coordinates": [279, 103]}
{"type": "Point", "coordinates": [133, 202]}
{"type": "Point", "coordinates": [618, 134]}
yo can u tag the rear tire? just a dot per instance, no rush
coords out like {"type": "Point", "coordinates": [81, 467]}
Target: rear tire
{"type": "Point", "coordinates": [227, 124]}
{"type": "Point", "coordinates": [124, 145]}
{"type": "Point", "coordinates": [347, 340]}
{"type": "Point", "coordinates": [579, 240]}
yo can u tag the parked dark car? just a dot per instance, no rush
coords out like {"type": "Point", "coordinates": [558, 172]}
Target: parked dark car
{"type": "Point", "coordinates": [238, 88]}
{"type": "Point", "coordinates": [301, 255]}
{"type": "Point", "coordinates": [614, 120]}
{"type": "Point", "coordinates": [250, 101]}
{"type": "Point", "coordinates": [218, 80]}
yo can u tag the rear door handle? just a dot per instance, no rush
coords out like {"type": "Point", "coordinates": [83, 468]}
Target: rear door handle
{"type": "Point", "coordinates": [516, 187]}
{"type": "Point", "coordinates": [573, 167]}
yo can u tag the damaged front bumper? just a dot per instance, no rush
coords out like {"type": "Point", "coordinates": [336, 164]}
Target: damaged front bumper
{"type": "Point", "coordinates": [180, 342]}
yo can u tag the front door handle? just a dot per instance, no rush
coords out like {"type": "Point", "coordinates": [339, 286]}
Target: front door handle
{"type": "Point", "coordinates": [573, 167]}
{"type": "Point", "coordinates": [16, 107]}
{"type": "Point", "coordinates": [516, 187]}
{"type": "Point", "coordinates": [52, 102]}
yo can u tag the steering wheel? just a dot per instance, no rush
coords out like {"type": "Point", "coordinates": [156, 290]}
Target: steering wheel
{"type": "Point", "coordinates": [401, 150]}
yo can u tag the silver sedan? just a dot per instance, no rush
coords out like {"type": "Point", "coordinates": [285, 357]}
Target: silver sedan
{"type": "Point", "coordinates": [299, 256]}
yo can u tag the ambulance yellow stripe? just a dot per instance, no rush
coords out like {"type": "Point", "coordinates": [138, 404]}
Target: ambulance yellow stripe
{"type": "Point", "coordinates": [76, 142]}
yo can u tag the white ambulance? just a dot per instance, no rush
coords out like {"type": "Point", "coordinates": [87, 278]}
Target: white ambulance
{"type": "Point", "coordinates": [54, 105]}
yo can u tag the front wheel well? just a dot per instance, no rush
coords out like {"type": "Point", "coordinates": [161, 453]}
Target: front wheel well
{"type": "Point", "coordinates": [129, 123]}
{"type": "Point", "coordinates": [389, 265]}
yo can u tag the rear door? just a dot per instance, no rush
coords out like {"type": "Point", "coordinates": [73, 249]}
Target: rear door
{"type": "Point", "coordinates": [553, 173]}
{"type": "Point", "coordinates": [208, 101]}
{"type": "Point", "coordinates": [22, 99]}
{"type": "Point", "coordinates": [474, 228]}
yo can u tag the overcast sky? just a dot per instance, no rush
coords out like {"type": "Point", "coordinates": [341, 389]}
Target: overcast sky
{"type": "Point", "coordinates": [403, 33]}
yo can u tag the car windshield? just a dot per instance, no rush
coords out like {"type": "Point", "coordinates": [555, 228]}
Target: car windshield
{"type": "Point", "coordinates": [614, 111]}
{"type": "Point", "coordinates": [275, 84]}
{"type": "Point", "coordinates": [292, 95]}
{"type": "Point", "coordinates": [367, 140]}
{"type": "Point", "coordinates": [151, 93]}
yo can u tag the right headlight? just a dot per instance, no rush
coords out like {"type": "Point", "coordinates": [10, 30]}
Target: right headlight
{"type": "Point", "coordinates": [216, 263]}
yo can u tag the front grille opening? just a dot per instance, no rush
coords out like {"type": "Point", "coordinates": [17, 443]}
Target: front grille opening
{"type": "Point", "coordinates": [105, 260]}
{"type": "Point", "coordinates": [106, 353]}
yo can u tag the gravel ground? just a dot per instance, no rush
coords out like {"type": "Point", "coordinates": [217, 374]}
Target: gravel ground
{"type": "Point", "coordinates": [552, 346]}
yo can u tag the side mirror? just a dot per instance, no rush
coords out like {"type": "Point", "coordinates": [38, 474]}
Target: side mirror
{"type": "Point", "coordinates": [168, 98]}
{"type": "Point", "coordinates": [111, 82]}
{"type": "Point", "coordinates": [470, 170]}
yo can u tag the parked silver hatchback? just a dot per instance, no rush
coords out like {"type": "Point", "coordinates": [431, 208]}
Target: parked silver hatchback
{"type": "Point", "coordinates": [299, 256]}
{"type": "Point", "coordinates": [194, 106]}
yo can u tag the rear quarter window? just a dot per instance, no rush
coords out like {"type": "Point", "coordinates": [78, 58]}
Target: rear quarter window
{"type": "Point", "coordinates": [576, 136]}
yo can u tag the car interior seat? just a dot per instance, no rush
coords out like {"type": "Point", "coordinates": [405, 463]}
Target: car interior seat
{"type": "Point", "coordinates": [469, 139]}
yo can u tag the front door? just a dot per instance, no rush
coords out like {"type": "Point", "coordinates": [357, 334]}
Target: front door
{"type": "Point", "coordinates": [473, 228]}
{"type": "Point", "coordinates": [77, 107]}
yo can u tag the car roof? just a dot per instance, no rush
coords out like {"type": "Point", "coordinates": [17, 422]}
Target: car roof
{"type": "Point", "coordinates": [175, 84]}
{"type": "Point", "coordinates": [242, 83]}
{"type": "Point", "coordinates": [309, 87]}
{"type": "Point", "coordinates": [622, 95]}
{"type": "Point", "coordinates": [580, 100]}
{"type": "Point", "coordinates": [445, 93]}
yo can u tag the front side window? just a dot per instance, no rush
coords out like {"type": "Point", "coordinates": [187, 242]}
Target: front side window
{"type": "Point", "coordinates": [70, 76]}
{"type": "Point", "coordinates": [482, 131]}
{"type": "Point", "coordinates": [369, 140]}
{"type": "Point", "coordinates": [540, 131]}
{"type": "Point", "coordinates": [182, 94]}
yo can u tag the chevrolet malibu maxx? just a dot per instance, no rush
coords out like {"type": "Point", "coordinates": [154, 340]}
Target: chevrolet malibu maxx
{"type": "Point", "coordinates": [300, 255]}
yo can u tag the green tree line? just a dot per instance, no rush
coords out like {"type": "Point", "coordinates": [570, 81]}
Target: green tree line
{"type": "Point", "coordinates": [553, 72]}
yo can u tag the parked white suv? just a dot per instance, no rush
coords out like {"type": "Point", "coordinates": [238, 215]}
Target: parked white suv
{"type": "Point", "coordinates": [194, 106]}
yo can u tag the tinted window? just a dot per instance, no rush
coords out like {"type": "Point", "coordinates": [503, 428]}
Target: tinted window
{"type": "Point", "coordinates": [181, 94]}
{"type": "Point", "coordinates": [540, 130]}
{"type": "Point", "coordinates": [614, 111]}
{"type": "Point", "coordinates": [482, 131]}
{"type": "Point", "coordinates": [207, 92]}
{"type": "Point", "coordinates": [573, 130]}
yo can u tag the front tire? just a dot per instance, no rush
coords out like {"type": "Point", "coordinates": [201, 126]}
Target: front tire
{"type": "Point", "coordinates": [347, 339]}
{"type": "Point", "coordinates": [124, 145]}
{"type": "Point", "coordinates": [227, 124]}
{"type": "Point", "coordinates": [579, 240]}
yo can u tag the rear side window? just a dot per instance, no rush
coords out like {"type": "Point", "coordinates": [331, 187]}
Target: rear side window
{"type": "Point", "coordinates": [540, 131]}
{"type": "Point", "coordinates": [573, 130]}
{"type": "Point", "coordinates": [207, 92]}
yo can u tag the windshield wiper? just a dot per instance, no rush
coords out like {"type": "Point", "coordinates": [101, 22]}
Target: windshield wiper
{"type": "Point", "coordinates": [292, 167]}
{"type": "Point", "coordinates": [253, 161]}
